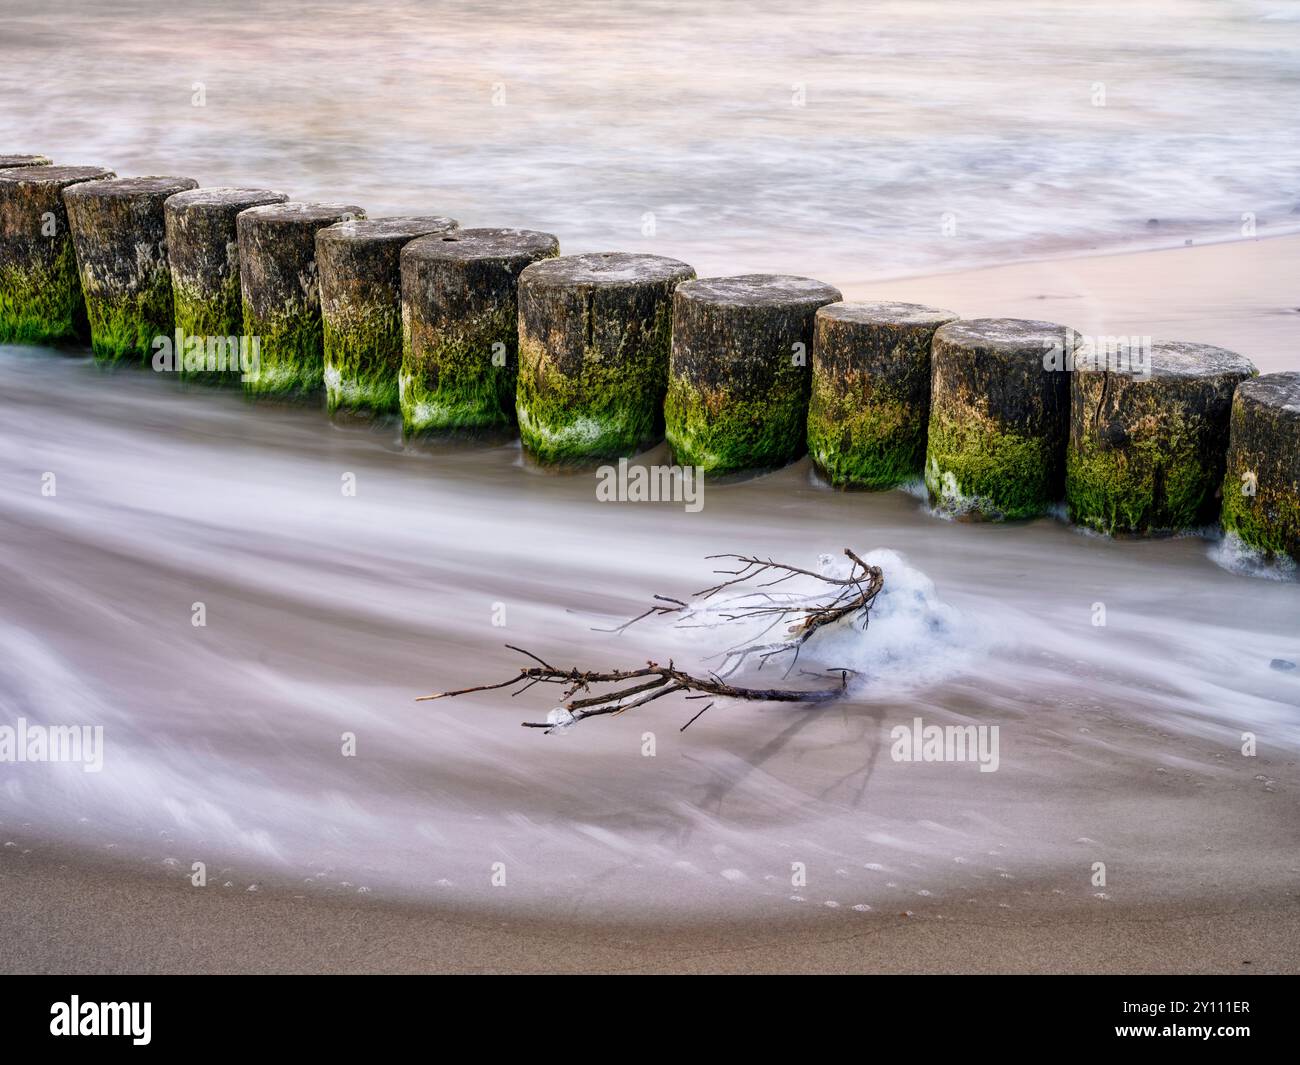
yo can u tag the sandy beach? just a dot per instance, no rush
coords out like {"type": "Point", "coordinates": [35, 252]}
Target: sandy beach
{"type": "Point", "coordinates": [64, 914]}
{"type": "Point", "coordinates": [1205, 854]}
{"type": "Point", "coordinates": [1239, 295]}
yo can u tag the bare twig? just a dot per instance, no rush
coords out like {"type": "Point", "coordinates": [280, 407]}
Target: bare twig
{"type": "Point", "coordinates": [595, 693]}
{"type": "Point", "coordinates": [803, 614]}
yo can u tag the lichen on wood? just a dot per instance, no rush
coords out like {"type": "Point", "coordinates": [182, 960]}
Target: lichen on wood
{"type": "Point", "coordinates": [1261, 485]}
{"type": "Point", "coordinates": [120, 235]}
{"type": "Point", "coordinates": [361, 307]}
{"type": "Point", "coordinates": [280, 290]}
{"type": "Point", "coordinates": [40, 291]}
{"type": "Point", "coordinates": [740, 370]}
{"type": "Point", "coordinates": [594, 334]}
{"type": "Point", "coordinates": [460, 327]}
{"type": "Point", "coordinates": [1147, 449]}
{"type": "Point", "coordinates": [203, 249]}
{"type": "Point", "coordinates": [870, 401]}
{"type": "Point", "coordinates": [995, 448]}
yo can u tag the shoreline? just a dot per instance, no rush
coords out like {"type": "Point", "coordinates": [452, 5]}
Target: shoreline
{"type": "Point", "coordinates": [54, 923]}
{"type": "Point", "coordinates": [1173, 293]}
{"type": "Point", "coordinates": [1097, 250]}
{"type": "Point", "coordinates": [58, 897]}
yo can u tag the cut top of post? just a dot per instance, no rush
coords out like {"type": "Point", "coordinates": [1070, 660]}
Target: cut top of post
{"type": "Point", "coordinates": [387, 230]}
{"type": "Point", "coordinates": [759, 290]}
{"type": "Point", "coordinates": [886, 312]}
{"type": "Point", "coordinates": [296, 212]}
{"type": "Point", "coordinates": [54, 175]}
{"type": "Point", "coordinates": [1280, 391]}
{"type": "Point", "coordinates": [7, 161]}
{"type": "Point", "coordinates": [215, 197]}
{"type": "Point", "coordinates": [131, 188]}
{"type": "Point", "coordinates": [1011, 337]}
{"type": "Point", "coordinates": [468, 245]}
{"type": "Point", "coordinates": [605, 270]}
{"type": "Point", "coordinates": [1174, 359]}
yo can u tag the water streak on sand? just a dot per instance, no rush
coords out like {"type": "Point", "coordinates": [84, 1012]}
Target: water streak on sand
{"type": "Point", "coordinates": [328, 613]}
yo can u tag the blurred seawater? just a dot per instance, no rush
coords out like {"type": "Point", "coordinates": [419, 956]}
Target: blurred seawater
{"type": "Point", "coordinates": [844, 140]}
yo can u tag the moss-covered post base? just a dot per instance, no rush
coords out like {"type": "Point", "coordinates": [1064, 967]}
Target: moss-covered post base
{"type": "Point", "coordinates": [1261, 488]}
{"type": "Point", "coordinates": [594, 333]}
{"type": "Point", "coordinates": [120, 235]}
{"type": "Point", "coordinates": [870, 400]}
{"type": "Point", "coordinates": [40, 293]}
{"type": "Point", "coordinates": [280, 288]}
{"type": "Point", "coordinates": [998, 419]}
{"type": "Point", "coordinates": [740, 370]}
{"type": "Point", "coordinates": [10, 162]}
{"type": "Point", "coordinates": [203, 249]}
{"type": "Point", "coordinates": [460, 327]}
{"type": "Point", "coordinates": [361, 307]}
{"type": "Point", "coordinates": [1146, 450]}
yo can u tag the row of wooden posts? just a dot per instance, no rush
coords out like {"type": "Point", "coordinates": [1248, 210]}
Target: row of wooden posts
{"type": "Point", "coordinates": [600, 356]}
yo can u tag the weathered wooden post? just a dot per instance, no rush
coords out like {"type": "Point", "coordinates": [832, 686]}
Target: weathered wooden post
{"type": "Point", "coordinates": [1147, 446]}
{"type": "Point", "coordinates": [740, 370]}
{"type": "Point", "coordinates": [594, 334]}
{"type": "Point", "coordinates": [8, 162]}
{"type": "Point", "coordinates": [279, 283]}
{"type": "Point", "coordinates": [870, 402]}
{"type": "Point", "coordinates": [40, 293]}
{"type": "Point", "coordinates": [460, 326]}
{"type": "Point", "coordinates": [361, 304]}
{"type": "Point", "coordinates": [998, 418]}
{"type": "Point", "coordinates": [120, 235]}
{"type": "Point", "coordinates": [203, 248]}
{"type": "Point", "coordinates": [1261, 489]}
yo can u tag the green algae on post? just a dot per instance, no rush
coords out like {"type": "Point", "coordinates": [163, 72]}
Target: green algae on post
{"type": "Point", "coordinates": [203, 248]}
{"type": "Point", "coordinates": [739, 370]}
{"type": "Point", "coordinates": [10, 162]}
{"type": "Point", "coordinates": [40, 293]}
{"type": "Point", "coordinates": [460, 326]}
{"type": "Point", "coordinates": [361, 307]}
{"type": "Point", "coordinates": [120, 235]}
{"type": "Point", "coordinates": [870, 400]}
{"type": "Point", "coordinates": [1261, 486]}
{"type": "Point", "coordinates": [995, 449]}
{"type": "Point", "coordinates": [594, 334]}
{"type": "Point", "coordinates": [280, 289]}
{"type": "Point", "coordinates": [1146, 450]}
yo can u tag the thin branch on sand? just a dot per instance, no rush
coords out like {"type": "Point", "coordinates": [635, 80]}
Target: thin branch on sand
{"type": "Point", "coordinates": [597, 693]}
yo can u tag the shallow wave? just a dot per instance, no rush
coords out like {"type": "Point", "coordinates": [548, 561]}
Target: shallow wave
{"type": "Point", "coordinates": [326, 614]}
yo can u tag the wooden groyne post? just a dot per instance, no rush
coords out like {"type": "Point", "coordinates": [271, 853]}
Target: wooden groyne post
{"type": "Point", "coordinates": [595, 355]}
{"type": "Point", "coordinates": [361, 307]}
{"type": "Point", "coordinates": [1261, 486]}
{"type": "Point", "coordinates": [203, 248]}
{"type": "Point", "coordinates": [1148, 441]}
{"type": "Point", "coordinates": [280, 289]}
{"type": "Point", "coordinates": [594, 333]}
{"type": "Point", "coordinates": [41, 301]}
{"type": "Point", "coordinates": [460, 326]}
{"type": "Point", "coordinates": [870, 400]}
{"type": "Point", "coordinates": [740, 370]}
{"type": "Point", "coordinates": [995, 449]}
{"type": "Point", "coordinates": [120, 233]}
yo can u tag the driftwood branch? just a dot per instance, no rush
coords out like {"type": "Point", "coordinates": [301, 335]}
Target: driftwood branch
{"type": "Point", "coordinates": [596, 693]}
{"type": "Point", "coordinates": [801, 614]}
{"type": "Point", "coordinates": [629, 688]}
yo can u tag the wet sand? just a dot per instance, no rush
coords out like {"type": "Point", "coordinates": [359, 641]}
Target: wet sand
{"type": "Point", "coordinates": [65, 914]}
{"type": "Point", "coordinates": [1204, 876]}
{"type": "Point", "coordinates": [1241, 296]}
